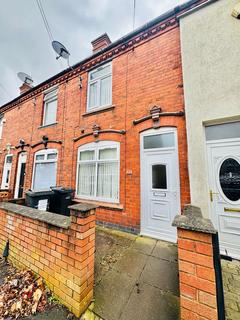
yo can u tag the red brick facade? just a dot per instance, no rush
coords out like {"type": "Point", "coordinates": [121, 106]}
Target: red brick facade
{"type": "Point", "coordinates": [146, 71]}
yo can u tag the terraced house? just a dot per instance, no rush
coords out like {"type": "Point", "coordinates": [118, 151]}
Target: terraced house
{"type": "Point", "coordinates": [112, 127]}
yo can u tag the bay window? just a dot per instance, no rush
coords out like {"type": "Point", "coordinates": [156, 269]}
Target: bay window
{"type": "Point", "coordinates": [45, 170]}
{"type": "Point", "coordinates": [98, 171]}
{"type": "Point", "coordinates": [100, 87]}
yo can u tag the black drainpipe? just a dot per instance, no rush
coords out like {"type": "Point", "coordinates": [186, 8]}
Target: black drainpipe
{"type": "Point", "coordinates": [218, 277]}
{"type": "Point", "coordinates": [6, 250]}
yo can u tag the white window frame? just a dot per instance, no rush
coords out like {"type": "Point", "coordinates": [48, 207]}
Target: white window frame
{"type": "Point", "coordinates": [6, 167]}
{"type": "Point", "coordinates": [98, 80]}
{"type": "Point", "coordinates": [1, 126]}
{"type": "Point", "coordinates": [96, 146]}
{"type": "Point", "coordinates": [49, 96]}
{"type": "Point", "coordinates": [44, 152]}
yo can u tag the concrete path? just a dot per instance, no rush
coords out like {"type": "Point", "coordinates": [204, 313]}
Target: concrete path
{"type": "Point", "coordinates": [136, 278]}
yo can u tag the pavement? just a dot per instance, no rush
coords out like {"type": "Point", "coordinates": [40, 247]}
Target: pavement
{"type": "Point", "coordinates": [135, 278]}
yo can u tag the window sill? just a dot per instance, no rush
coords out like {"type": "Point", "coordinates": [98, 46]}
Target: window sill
{"type": "Point", "coordinates": [96, 111]}
{"type": "Point", "coordinates": [106, 205]}
{"type": "Point", "coordinates": [48, 125]}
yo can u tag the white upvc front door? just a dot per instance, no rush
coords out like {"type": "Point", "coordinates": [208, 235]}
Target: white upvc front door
{"type": "Point", "coordinates": [224, 193]}
{"type": "Point", "coordinates": [160, 190]}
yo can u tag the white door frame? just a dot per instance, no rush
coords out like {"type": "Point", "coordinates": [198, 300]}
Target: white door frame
{"type": "Point", "coordinates": [22, 158]}
{"type": "Point", "coordinates": [159, 151]}
{"type": "Point", "coordinates": [7, 168]}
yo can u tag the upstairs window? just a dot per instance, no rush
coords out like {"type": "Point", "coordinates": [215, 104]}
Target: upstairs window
{"type": "Point", "coordinates": [100, 87]}
{"type": "Point", "coordinates": [98, 171]}
{"type": "Point", "coordinates": [45, 170]}
{"type": "Point", "coordinates": [50, 108]}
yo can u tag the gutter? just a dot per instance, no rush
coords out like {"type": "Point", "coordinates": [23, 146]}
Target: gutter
{"type": "Point", "coordinates": [125, 38]}
{"type": "Point", "coordinates": [197, 8]}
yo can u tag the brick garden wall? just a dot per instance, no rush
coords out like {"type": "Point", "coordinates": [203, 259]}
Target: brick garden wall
{"type": "Point", "coordinates": [60, 250]}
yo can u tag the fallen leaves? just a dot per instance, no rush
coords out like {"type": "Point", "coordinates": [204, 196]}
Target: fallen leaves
{"type": "Point", "coordinates": [22, 294]}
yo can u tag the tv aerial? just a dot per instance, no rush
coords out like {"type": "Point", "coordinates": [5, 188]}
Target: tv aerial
{"type": "Point", "coordinates": [25, 78]}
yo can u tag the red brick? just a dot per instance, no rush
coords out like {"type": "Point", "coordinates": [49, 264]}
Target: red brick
{"type": "Point", "coordinates": [187, 244]}
{"type": "Point", "coordinates": [205, 273]}
{"type": "Point", "coordinates": [198, 283]}
{"type": "Point", "coordinates": [200, 309]}
{"type": "Point", "coordinates": [196, 258]}
{"type": "Point", "coordinates": [204, 248]}
{"type": "Point", "coordinates": [193, 235]}
{"type": "Point", "coordinates": [207, 299]}
{"type": "Point", "coordinates": [187, 291]}
{"type": "Point", "coordinates": [187, 267]}
{"type": "Point", "coordinates": [188, 315]}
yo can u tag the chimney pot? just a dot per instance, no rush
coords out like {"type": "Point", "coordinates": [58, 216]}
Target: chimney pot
{"type": "Point", "coordinates": [100, 43]}
{"type": "Point", "coordinates": [25, 87]}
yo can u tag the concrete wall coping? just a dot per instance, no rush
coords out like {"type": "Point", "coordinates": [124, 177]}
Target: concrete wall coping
{"type": "Point", "coordinates": [83, 207]}
{"type": "Point", "coordinates": [44, 216]}
{"type": "Point", "coordinates": [192, 219]}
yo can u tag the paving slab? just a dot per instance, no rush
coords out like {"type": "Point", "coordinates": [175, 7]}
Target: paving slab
{"type": "Point", "coordinates": [144, 244]}
{"type": "Point", "coordinates": [149, 303]}
{"type": "Point", "coordinates": [110, 246]}
{"type": "Point", "coordinates": [112, 294]}
{"type": "Point", "coordinates": [161, 274]}
{"type": "Point", "coordinates": [132, 263]}
{"type": "Point", "coordinates": [165, 250]}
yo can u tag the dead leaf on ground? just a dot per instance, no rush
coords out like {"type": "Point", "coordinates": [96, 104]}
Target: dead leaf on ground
{"type": "Point", "coordinates": [22, 294]}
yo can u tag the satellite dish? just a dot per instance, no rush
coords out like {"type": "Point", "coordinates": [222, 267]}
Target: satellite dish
{"type": "Point", "coordinates": [25, 78]}
{"type": "Point", "coordinates": [60, 50]}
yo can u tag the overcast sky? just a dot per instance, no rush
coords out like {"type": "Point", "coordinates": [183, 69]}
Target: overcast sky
{"type": "Point", "coordinates": [25, 45]}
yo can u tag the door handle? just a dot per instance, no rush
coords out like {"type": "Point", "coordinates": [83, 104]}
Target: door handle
{"type": "Point", "coordinates": [211, 193]}
{"type": "Point", "coordinates": [232, 210]}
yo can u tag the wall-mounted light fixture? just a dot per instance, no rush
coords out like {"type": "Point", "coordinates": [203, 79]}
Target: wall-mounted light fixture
{"type": "Point", "coordinates": [236, 11]}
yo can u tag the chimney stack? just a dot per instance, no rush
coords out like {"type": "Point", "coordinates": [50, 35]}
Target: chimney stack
{"type": "Point", "coordinates": [100, 43]}
{"type": "Point", "coordinates": [25, 87]}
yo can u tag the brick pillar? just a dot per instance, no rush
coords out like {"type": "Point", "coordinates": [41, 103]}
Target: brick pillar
{"type": "Point", "coordinates": [197, 266]}
{"type": "Point", "coordinates": [83, 238]}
